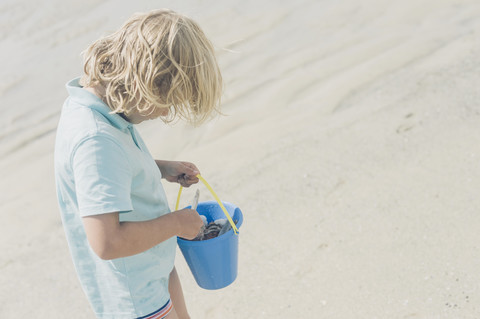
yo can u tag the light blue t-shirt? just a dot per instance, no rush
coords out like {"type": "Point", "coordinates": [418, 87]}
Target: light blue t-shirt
{"type": "Point", "coordinates": [101, 166]}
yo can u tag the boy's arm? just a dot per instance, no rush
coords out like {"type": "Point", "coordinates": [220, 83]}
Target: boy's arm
{"type": "Point", "coordinates": [110, 238]}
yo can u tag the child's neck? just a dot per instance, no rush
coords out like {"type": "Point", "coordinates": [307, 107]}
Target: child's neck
{"type": "Point", "coordinates": [98, 90]}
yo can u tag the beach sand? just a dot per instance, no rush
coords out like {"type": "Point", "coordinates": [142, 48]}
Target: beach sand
{"type": "Point", "coordinates": [350, 140]}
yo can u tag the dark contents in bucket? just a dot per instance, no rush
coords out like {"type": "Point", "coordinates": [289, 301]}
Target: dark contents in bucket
{"type": "Point", "coordinates": [214, 229]}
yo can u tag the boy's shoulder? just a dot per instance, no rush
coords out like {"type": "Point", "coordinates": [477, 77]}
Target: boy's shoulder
{"type": "Point", "coordinates": [79, 123]}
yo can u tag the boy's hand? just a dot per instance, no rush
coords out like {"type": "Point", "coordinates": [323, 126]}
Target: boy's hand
{"type": "Point", "coordinates": [189, 223]}
{"type": "Point", "coordinates": [184, 173]}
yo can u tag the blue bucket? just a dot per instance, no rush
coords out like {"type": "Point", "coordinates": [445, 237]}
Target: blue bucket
{"type": "Point", "coordinates": [214, 262]}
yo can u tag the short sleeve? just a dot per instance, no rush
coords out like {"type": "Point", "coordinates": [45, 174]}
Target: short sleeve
{"type": "Point", "coordinates": [103, 177]}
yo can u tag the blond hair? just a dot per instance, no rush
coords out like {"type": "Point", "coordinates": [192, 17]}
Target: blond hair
{"type": "Point", "coordinates": [159, 59]}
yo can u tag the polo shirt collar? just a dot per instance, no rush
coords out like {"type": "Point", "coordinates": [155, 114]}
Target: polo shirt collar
{"type": "Point", "coordinates": [90, 100]}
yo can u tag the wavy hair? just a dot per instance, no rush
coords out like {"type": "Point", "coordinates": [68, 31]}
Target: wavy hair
{"type": "Point", "coordinates": [159, 59]}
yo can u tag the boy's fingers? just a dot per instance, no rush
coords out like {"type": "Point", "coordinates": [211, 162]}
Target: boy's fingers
{"type": "Point", "coordinates": [192, 180]}
{"type": "Point", "coordinates": [186, 180]}
{"type": "Point", "coordinates": [191, 169]}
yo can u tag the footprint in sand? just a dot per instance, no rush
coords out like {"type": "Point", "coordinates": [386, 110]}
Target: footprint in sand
{"type": "Point", "coordinates": [406, 126]}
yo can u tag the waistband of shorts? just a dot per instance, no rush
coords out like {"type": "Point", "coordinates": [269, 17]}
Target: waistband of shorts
{"type": "Point", "coordinates": [160, 313]}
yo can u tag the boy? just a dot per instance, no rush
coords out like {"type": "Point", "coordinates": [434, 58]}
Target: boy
{"type": "Point", "coordinates": [121, 233]}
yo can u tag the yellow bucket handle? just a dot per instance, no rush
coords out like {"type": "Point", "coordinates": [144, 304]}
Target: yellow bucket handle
{"type": "Point", "coordinates": [235, 229]}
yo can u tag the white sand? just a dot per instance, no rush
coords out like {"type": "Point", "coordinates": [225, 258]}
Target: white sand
{"type": "Point", "coordinates": [352, 145]}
